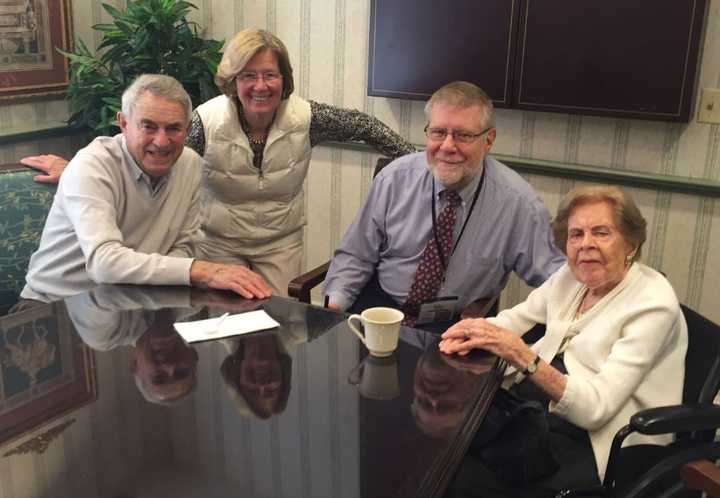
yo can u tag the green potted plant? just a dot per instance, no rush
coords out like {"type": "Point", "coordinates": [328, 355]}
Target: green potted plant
{"type": "Point", "coordinates": [149, 36]}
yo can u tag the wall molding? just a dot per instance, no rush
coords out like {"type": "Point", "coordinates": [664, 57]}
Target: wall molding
{"type": "Point", "coordinates": [629, 178]}
{"type": "Point", "coordinates": [14, 137]}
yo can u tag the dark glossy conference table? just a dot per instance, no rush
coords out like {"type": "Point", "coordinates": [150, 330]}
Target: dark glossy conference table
{"type": "Point", "coordinates": [299, 411]}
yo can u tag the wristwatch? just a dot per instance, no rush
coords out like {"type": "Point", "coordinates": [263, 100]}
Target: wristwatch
{"type": "Point", "coordinates": [532, 366]}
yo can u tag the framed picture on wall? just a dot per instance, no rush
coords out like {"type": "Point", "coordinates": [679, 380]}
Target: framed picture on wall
{"type": "Point", "coordinates": [46, 371]}
{"type": "Point", "coordinates": [31, 31]}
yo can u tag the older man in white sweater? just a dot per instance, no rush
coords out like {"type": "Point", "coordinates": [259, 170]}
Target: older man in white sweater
{"type": "Point", "coordinates": [126, 210]}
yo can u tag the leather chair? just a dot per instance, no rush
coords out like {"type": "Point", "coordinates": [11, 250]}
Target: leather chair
{"type": "Point", "coordinates": [652, 470]}
{"type": "Point", "coordinates": [24, 205]}
{"type": "Point", "coordinates": [301, 286]}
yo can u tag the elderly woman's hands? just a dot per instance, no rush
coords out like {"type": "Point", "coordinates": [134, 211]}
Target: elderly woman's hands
{"type": "Point", "coordinates": [466, 335]}
{"type": "Point", "coordinates": [478, 333]}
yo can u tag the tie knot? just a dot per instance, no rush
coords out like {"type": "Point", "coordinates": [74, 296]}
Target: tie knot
{"type": "Point", "coordinates": [451, 197]}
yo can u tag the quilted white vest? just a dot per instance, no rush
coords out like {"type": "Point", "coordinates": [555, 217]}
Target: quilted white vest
{"type": "Point", "coordinates": [241, 202]}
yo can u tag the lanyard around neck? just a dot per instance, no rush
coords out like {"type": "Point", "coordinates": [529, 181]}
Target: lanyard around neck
{"type": "Point", "coordinates": [443, 261]}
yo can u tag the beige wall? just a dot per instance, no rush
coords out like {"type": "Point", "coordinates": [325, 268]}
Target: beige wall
{"type": "Point", "coordinates": [327, 40]}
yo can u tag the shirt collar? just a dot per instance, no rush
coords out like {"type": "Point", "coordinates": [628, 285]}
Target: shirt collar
{"type": "Point", "coordinates": [140, 175]}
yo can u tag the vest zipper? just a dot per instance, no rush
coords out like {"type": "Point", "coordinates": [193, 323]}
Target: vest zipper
{"type": "Point", "coordinates": [261, 178]}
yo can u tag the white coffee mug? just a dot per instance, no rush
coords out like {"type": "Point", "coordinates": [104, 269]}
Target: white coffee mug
{"type": "Point", "coordinates": [382, 329]}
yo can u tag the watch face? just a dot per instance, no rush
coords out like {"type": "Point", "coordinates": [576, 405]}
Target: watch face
{"type": "Point", "coordinates": [532, 366]}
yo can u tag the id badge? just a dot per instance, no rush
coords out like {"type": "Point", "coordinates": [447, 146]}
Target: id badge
{"type": "Point", "coordinates": [439, 309]}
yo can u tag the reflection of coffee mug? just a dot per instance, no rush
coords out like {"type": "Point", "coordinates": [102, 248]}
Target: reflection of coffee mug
{"type": "Point", "coordinates": [382, 328]}
{"type": "Point", "coordinates": [377, 377]}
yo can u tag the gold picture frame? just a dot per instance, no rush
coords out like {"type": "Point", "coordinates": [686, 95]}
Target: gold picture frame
{"type": "Point", "coordinates": [46, 371]}
{"type": "Point", "coordinates": [31, 31]}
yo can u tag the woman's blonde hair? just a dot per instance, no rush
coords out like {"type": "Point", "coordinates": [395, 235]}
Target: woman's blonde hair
{"type": "Point", "coordinates": [628, 218]}
{"type": "Point", "coordinates": [241, 48]}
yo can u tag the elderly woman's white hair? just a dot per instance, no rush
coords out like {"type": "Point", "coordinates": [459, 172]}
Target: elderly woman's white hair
{"type": "Point", "coordinates": [628, 218]}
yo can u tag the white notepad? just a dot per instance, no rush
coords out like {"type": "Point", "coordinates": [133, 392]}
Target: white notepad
{"type": "Point", "coordinates": [230, 325]}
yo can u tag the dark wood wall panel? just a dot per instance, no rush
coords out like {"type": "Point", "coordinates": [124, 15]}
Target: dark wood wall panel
{"type": "Point", "coordinates": [419, 45]}
{"type": "Point", "coordinates": [613, 57]}
{"type": "Point", "coordinates": [624, 58]}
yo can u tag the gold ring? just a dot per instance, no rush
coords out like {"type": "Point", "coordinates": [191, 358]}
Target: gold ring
{"type": "Point", "coordinates": [467, 333]}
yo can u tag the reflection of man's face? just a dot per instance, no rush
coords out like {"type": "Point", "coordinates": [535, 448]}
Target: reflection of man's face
{"type": "Point", "coordinates": [260, 375]}
{"type": "Point", "coordinates": [163, 363]}
{"type": "Point", "coordinates": [441, 395]}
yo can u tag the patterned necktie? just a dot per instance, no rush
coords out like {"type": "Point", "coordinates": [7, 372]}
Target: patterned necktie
{"type": "Point", "coordinates": [430, 271]}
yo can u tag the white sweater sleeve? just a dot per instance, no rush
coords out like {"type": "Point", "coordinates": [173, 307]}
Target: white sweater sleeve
{"type": "Point", "coordinates": [597, 390]}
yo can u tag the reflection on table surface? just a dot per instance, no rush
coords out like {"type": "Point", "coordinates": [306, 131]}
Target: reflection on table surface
{"type": "Point", "coordinates": [295, 411]}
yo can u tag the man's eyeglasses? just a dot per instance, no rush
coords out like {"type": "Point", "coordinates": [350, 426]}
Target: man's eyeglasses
{"type": "Point", "coordinates": [463, 137]}
{"type": "Point", "coordinates": [252, 77]}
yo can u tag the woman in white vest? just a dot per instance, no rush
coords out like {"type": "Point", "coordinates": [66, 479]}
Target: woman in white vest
{"type": "Point", "coordinates": [256, 139]}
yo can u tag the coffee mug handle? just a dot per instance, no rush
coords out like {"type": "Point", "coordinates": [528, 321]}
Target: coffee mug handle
{"type": "Point", "coordinates": [354, 328]}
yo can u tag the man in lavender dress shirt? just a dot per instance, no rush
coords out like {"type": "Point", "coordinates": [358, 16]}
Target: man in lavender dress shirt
{"type": "Point", "coordinates": [502, 225]}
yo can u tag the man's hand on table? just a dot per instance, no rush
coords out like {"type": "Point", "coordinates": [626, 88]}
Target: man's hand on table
{"type": "Point", "coordinates": [231, 277]}
{"type": "Point", "coordinates": [51, 165]}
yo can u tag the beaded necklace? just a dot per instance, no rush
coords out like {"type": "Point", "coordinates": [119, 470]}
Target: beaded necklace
{"type": "Point", "coordinates": [255, 141]}
{"type": "Point", "coordinates": [256, 144]}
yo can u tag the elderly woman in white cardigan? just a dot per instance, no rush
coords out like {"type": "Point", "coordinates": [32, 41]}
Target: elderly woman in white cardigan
{"type": "Point", "coordinates": [615, 337]}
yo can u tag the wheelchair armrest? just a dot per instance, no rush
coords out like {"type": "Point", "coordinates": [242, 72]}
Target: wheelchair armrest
{"type": "Point", "coordinates": [678, 418]}
{"type": "Point", "coordinates": [300, 287]}
{"type": "Point", "coordinates": [663, 420]}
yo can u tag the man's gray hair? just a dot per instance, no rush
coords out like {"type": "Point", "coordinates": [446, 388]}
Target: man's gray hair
{"type": "Point", "coordinates": [462, 94]}
{"type": "Point", "coordinates": [159, 85]}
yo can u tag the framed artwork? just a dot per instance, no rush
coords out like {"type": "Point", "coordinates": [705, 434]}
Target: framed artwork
{"type": "Point", "coordinates": [45, 370]}
{"type": "Point", "coordinates": [30, 32]}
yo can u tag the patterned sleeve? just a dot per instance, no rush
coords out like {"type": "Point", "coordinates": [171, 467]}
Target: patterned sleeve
{"type": "Point", "coordinates": [347, 125]}
{"type": "Point", "coordinates": [196, 134]}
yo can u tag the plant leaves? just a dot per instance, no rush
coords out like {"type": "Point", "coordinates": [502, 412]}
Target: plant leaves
{"type": "Point", "coordinates": [112, 11]}
{"type": "Point", "coordinates": [148, 36]}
